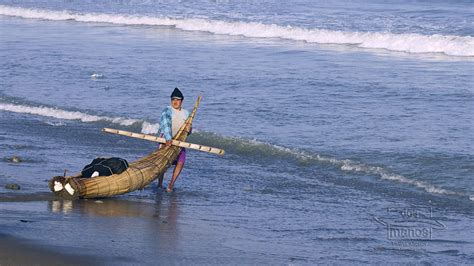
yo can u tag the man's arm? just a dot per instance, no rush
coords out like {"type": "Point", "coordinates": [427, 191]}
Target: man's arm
{"type": "Point", "coordinates": [165, 125]}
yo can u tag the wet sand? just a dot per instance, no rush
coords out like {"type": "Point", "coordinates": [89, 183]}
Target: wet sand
{"type": "Point", "coordinates": [23, 250]}
{"type": "Point", "coordinates": [42, 230]}
{"type": "Point", "coordinates": [14, 251]}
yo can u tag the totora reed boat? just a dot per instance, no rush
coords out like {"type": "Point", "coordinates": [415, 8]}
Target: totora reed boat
{"type": "Point", "coordinates": [138, 175]}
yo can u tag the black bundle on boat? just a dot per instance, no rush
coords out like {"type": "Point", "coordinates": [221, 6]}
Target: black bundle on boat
{"type": "Point", "coordinates": [105, 167]}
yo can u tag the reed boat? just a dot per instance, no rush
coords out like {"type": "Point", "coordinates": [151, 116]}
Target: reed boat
{"type": "Point", "coordinates": [137, 176]}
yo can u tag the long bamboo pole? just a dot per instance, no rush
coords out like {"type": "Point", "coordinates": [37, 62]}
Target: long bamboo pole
{"type": "Point", "coordinates": [163, 140]}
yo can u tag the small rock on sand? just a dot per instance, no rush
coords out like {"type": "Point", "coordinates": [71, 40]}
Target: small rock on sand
{"type": "Point", "coordinates": [12, 186]}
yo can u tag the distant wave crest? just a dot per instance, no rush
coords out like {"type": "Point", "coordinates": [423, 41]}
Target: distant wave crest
{"type": "Point", "coordinates": [146, 127]}
{"type": "Point", "coordinates": [461, 46]}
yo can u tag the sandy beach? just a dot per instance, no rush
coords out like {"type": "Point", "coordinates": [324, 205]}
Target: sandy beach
{"type": "Point", "coordinates": [15, 251]}
{"type": "Point", "coordinates": [115, 231]}
{"type": "Point", "coordinates": [347, 129]}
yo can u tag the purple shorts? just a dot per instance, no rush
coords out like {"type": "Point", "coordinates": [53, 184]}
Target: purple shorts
{"type": "Point", "coordinates": [181, 156]}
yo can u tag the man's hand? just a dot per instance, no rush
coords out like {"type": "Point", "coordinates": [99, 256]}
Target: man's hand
{"type": "Point", "coordinates": [188, 128]}
{"type": "Point", "coordinates": [168, 142]}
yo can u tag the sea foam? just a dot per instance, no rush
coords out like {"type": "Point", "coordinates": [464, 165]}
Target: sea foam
{"type": "Point", "coordinates": [147, 127]}
{"type": "Point", "coordinates": [249, 147]}
{"type": "Point", "coordinates": [461, 46]}
{"type": "Point", "coordinates": [237, 145]}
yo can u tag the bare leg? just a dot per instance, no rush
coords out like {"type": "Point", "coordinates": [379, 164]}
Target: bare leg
{"type": "Point", "coordinates": [177, 170]}
{"type": "Point", "coordinates": [160, 180]}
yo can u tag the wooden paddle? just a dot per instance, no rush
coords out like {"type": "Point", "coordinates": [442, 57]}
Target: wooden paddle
{"type": "Point", "coordinates": [163, 140]}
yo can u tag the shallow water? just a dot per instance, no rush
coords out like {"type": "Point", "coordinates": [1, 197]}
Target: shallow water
{"type": "Point", "coordinates": [320, 138]}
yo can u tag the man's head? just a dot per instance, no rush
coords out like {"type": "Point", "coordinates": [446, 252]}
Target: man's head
{"type": "Point", "coordinates": [177, 99]}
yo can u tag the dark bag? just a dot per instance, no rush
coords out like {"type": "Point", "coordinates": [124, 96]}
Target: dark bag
{"type": "Point", "coordinates": [105, 166]}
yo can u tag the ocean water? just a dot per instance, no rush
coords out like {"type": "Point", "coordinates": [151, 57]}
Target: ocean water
{"type": "Point", "coordinates": [347, 128]}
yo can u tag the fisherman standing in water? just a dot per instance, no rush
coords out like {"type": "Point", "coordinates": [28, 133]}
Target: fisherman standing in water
{"type": "Point", "coordinates": [171, 120]}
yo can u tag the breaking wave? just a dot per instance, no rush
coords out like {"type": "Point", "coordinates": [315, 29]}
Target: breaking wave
{"type": "Point", "coordinates": [262, 149]}
{"type": "Point", "coordinates": [146, 127]}
{"type": "Point", "coordinates": [461, 46]}
{"type": "Point", "coordinates": [237, 145]}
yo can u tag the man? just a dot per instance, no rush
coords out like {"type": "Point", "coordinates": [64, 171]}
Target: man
{"type": "Point", "coordinates": [171, 120]}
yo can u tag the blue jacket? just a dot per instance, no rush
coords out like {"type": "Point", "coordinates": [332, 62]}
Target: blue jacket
{"type": "Point", "coordinates": [165, 122]}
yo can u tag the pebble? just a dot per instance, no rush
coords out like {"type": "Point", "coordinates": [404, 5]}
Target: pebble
{"type": "Point", "coordinates": [12, 186]}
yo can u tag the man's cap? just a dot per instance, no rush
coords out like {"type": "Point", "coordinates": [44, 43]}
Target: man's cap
{"type": "Point", "coordinates": [177, 94]}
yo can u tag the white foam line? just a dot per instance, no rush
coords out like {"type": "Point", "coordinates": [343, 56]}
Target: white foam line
{"type": "Point", "coordinates": [150, 128]}
{"type": "Point", "coordinates": [352, 166]}
{"type": "Point", "coordinates": [147, 127]}
{"type": "Point", "coordinates": [462, 46]}
{"type": "Point", "coordinates": [349, 165]}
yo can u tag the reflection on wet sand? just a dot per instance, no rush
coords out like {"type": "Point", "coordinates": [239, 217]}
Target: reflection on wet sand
{"type": "Point", "coordinates": [151, 224]}
{"type": "Point", "coordinates": [120, 227]}
{"type": "Point", "coordinates": [164, 206]}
